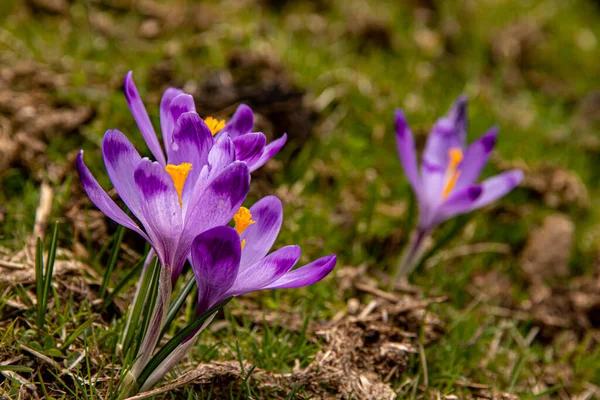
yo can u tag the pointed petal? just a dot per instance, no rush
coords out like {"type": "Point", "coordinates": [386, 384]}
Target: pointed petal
{"type": "Point", "coordinates": [213, 205]}
{"type": "Point", "coordinates": [448, 132]}
{"type": "Point", "coordinates": [102, 200]}
{"type": "Point", "coordinates": [241, 122]}
{"type": "Point", "coordinates": [215, 262]}
{"type": "Point", "coordinates": [167, 124]}
{"type": "Point", "coordinates": [306, 275]}
{"type": "Point", "coordinates": [498, 186]}
{"type": "Point", "coordinates": [141, 118]}
{"type": "Point", "coordinates": [458, 114]}
{"type": "Point", "coordinates": [191, 143]}
{"type": "Point", "coordinates": [405, 143]}
{"type": "Point", "coordinates": [121, 159]}
{"type": "Point", "coordinates": [181, 104]}
{"type": "Point", "coordinates": [161, 208]}
{"type": "Point", "coordinates": [269, 151]}
{"type": "Point", "coordinates": [260, 236]}
{"type": "Point", "coordinates": [476, 156]}
{"type": "Point", "coordinates": [459, 202]}
{"type": "Point", "coordinates": [249, 147]}
{"type": "Point", "coordinates": [260, 275]}
{"type": "Point", "coordinates": [221, 156]}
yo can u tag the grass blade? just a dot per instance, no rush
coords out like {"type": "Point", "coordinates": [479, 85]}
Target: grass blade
{"type": "Point", "coordinates": [39, 281]}
{"type": "Point", "coordinates": [138, 306]}
{"type": "Point", "coordinates": [112, 260]}
{"type": "Point", "coordinates": [77, 332]}
{"type": "Point", "coordinates": [176, 341]}
{"type": "Point", "coordinates": [150, 305]}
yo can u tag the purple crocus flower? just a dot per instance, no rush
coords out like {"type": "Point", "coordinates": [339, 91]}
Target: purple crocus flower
{"type": "Point", "coordinates": [233, 261]}
{"type": "Point", "coordinates": [201, 187]}
{"type": "Point", "coordinates": [446, 184]}
{"type": "Point", "coordinates": [250, 147]}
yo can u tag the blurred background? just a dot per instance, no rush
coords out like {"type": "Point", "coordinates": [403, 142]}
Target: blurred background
{"type": "Point", "coordinates": [521, 277]}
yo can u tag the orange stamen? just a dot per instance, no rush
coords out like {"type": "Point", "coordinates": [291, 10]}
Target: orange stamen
{"type": "Point", "coordinates": [214, 124]}
{"type": "Point", "coordinates": [452, 172]}
{"type": "Point", "coordinates": [179, 174]}
{"type": "Point", "coordinates": [242, 219]}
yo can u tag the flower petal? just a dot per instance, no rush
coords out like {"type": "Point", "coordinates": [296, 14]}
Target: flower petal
{"type": "Point", "coordinates": [263, 273]}
{"type": "Point", "coordinates": [213, 205]}
{"type": "Point", "coordinates": [260, 236]}
{"type": "Point", "coordinates": [241, 122]}
{"type": "Point", "coordinates": [497, 187]}
{"type": "Point", "coordinates": [306, 275]}
{"type": "Point", "coordinates": [102, 200]}
{"type": "Point", "coordinates": [448, 132]}
{"type": "Point", "coordinates": [459, 202]}
{"type": "Point", "coordinates": [182, 103]}
{"type": "Point", "coordinates": [215, 262]}
{"type": "Point", "coordinates": [249, 147]}
{"type": "Point", "coordinates": [121, 159]}
{"type": "Point", "coordinates": [167, 124]}
{"type": "Point", "coordinates": [221, 155]}
{"type": "Point", "coordinates": [269, 151]}
{"type": "Point", "coordinates": [191, 143]}
{"type": "Point", "coordinates": [160, 204]}
{"type": "Point", "coordinates": [405, 144]}
{"type": "Point", "coordinates": [458, 114]}
{"type": "Point", "coordinates": [141, 118]}
{"type": "Point", "coordinates": [476, 157]}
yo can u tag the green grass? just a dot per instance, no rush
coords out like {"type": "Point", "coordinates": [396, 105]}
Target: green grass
{"type": "Point", "coordinates": [346, 169]}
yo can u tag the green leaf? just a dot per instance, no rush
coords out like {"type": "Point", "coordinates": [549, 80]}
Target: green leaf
{"type": "Point", "coordinates": [176, 341]}
{"type": "Point", "coordinates": [39, 281]}
{"type": "Point", "coordinates": [138, 306]}
{"type": "Point", "coordinates": [112, 260]}
{"type": "Point", "coordinates": [77, 332]}
{"type": "Point", "coordinates": [150, 305]}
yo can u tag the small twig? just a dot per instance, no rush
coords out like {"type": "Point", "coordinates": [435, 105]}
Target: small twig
{"type": "Point", "coordinates": [367, 310]}
{"type": "Point", "coordinates": [11, 265]}
{"type": "Point", "coordinates": [41, 356]}
{"type": "Point", "coordinates": [377, 292]}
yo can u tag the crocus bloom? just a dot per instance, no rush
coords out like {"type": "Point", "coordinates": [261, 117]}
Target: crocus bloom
{"type": "Point", "coordinates": [250, 147]}
{"type": "Point", "coordinates": [233, 261]}
{"type": "Point", "coordinates": [201, 186]}
{"type": "Point", "coordinates": [445, 185]}
{"type": "Point", "coordinates": [230, 262]}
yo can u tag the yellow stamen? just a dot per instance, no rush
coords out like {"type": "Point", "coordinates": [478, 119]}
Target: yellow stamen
{"type": "Point", "coordinates": [215, 125]}
{"type": "Point", "coordinates": [242, 219]}
{"type": "Point", "coordinates": [179, 174]}
{"type": "Point", "coordinates": [452, 172]}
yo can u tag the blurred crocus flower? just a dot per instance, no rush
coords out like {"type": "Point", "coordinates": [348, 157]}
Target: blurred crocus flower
{"type": "Point", "coordinates": [250, 147]}
{"type": "Point", "coordinates": [233, 261]}
{"type": "Point", "coordinates": [446, 183]}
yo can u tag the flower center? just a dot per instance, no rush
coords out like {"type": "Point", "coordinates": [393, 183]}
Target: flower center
{"type": "Point", "coordinates": [242, 219]}
{"type": "Point", "coordinates": [179, 174]}
{"type": "Point", "coordinates": [215, 125]}
{"type": "Point", "coordinates": [452, 173]}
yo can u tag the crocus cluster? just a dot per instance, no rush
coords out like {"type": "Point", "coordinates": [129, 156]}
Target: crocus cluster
{"type": "Point", "coordinates": [446, 185]}
{"type": "Point", "coordinates": [183, 202]}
